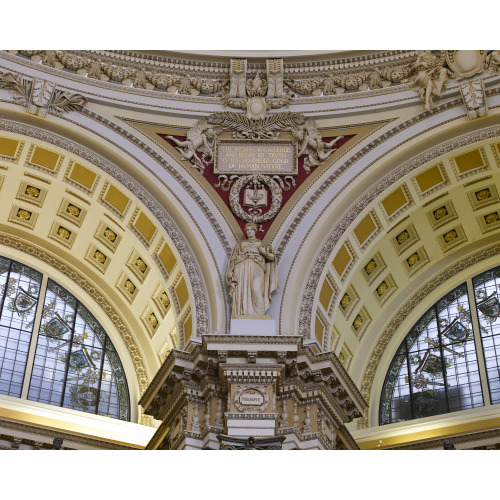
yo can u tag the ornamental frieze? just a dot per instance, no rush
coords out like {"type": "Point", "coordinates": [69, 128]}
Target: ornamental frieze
{"type": "Point", "coordinates": [255, 165]}
{"type": "Point", "coordinates": [278, 82]}
{"type": "Point", "coordinates": [40, 96]}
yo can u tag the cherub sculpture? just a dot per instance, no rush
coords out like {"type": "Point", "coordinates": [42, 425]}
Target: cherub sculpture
{"type": "Point", "coordinates": [431, 76]}
{"type": "Point", "coordinates": [199, 138]}
{"type": "Point", "coordinates": [311, 143]}
{"type": "Point", "coordinates": [492, 63]}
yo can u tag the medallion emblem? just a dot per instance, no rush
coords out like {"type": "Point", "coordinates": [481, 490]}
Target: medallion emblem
{"type": "Point", "coordinates": [490, 307]}
{"type": "Point", "coordinates": [23, 301]}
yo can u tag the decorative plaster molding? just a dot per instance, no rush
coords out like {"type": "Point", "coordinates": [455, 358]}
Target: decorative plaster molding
{"type": "Point", "coordinates": [468, 439]}
{"type": "Point", "coordinates": [41, 96]}
{"type": "Point", "coordinates": [67, 437]}
{"type": "Point", "coordinates": [185, 78]}
{"type": "Point", "coordinates": [350, 162]}
{"type": "Point", "coordinates": [324, 256]}
{"type": "Point", "coordinates": [474, 98]}
{"type": "Point", "coordinates": [171, 170]}
{"type": "Point", "coordinates": [168, 225]}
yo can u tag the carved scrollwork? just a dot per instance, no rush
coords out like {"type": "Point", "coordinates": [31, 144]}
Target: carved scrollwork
{"type": "Point", "coordinates": [255, 215]}
{"type": "Point", "coordinates": [40, 96]}
{"type": "Point", "coordinates": [225, 182]}
{"type": "Point", "coordinates": [268, 128]}
{"type": "Point", "coordinates": [285, 182]}
{"type": "Point", "coordinates": [251, 392]}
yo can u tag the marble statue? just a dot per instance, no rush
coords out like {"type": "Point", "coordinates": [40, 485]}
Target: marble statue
{"type": "Point", "coordinates": [251, 275]}
{"type": "Point", "coordinates": [492, 63]}
{"type": "Point", "coordinates": [201, 137]}
{"type": "Point", "coordinates": [431, 78]}
{"type": "Point", "coordinates": [311, 143]}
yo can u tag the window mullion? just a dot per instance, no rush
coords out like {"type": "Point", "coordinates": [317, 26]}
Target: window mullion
{"type": "Point", "coordinates": [478, 343]}
{"type": "Point", "coordinates": [70, 351]}
{"type": "Point", "coordinates": [34, 338]}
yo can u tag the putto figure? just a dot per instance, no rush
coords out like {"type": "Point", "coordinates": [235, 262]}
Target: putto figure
{"type": "Point", "coordinates": [202, 138]}
{"type": "Point", "coordinates": [432, 76]}
{"type": "Point", "coordinates": [251, 275]}
{"type": "Point", "coordinates": [311, 143]}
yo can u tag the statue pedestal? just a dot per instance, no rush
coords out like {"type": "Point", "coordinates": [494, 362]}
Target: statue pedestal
{"type": "Point", "coordinates": [253, 325]}
{"type": "Point", "coordinates": [264, 388]}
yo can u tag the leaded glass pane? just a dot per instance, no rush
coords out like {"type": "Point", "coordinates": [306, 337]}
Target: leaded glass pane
{"type": "Point", "coordinates": [396, 405]}
{"type": "Point", "coordinates": [72, 365]}
{"type": "Point", "coordinates": [435, 370]}
{"type": "Point", "coordinates": [19, 291]}
{"type": "Point", "coordinates": [486, 289]}
{"type": "Point", "coordinates": [75, 363]}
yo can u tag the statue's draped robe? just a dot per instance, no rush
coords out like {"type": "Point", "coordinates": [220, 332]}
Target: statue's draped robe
{"type": "Point", "coordinates": [251, 279]}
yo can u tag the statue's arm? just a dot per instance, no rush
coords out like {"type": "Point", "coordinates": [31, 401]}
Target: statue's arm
{"type": "Point", "coordinates": [303, 145]}
{"type": "Point", "coordinates": [230, 266]}
{"type": "Point", "coordinates": [267, 253]}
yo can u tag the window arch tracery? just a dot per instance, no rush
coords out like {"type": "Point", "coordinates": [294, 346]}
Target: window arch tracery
{"type": "Point", "coordinates": [437, 368]}
{"type": "Point", "coordinates": [53, 350]}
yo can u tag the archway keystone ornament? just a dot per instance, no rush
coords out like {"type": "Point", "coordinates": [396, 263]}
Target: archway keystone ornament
{"type": "Point", "coordinates": [465, 63]}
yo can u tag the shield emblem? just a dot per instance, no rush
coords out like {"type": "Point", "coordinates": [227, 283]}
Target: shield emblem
{"type": "Point", "coordinates": [490, 307]}
{"type": "Point", "coordinates": [56, 328]}
{"type": "Point", "coordinates": [465, 63]}
{"type": "Point", "coordinates": [78, 360]}
{"type": "Point", "coordinates": [23, 301]}
{"type": "Point", "coordinates": [433, 365]}
{"type": "Point", "coordinates": [456, 332]}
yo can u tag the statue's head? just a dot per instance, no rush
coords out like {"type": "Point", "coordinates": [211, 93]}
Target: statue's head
{"type": "Point", "coordinates": [252, 227]}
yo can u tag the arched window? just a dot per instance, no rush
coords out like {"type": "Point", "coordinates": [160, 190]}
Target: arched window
{"type": "Point", "coordinates": [56, 353]}
{"type": "Point", "coordinates": [437, 368]}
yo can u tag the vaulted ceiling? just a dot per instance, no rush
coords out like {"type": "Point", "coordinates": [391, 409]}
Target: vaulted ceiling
{"type": "Point", "coordinates": [410, 195]}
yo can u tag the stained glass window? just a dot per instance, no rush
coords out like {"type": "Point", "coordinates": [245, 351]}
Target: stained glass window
{"type": "Point", "coordinates": [435, 370]}
{"type": "Point", "coordinates": [19, 291]}
{"type": "Point", "coordinates": [74, 365]}
{"type": "Point", "coordinates": [486, 289]}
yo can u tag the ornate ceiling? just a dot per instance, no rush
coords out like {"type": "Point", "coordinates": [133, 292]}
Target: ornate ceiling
{"type": "Point", "coordinates": [404, 206]}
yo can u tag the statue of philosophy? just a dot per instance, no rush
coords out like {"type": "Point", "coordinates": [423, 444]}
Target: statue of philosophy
{"type": "Point", "coordinates": [251, 275]}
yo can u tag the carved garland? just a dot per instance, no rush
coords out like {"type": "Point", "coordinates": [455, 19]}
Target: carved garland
{"type": "Point", "coordinates": [177, 80]}
{"type": "Point", "coordinates": [401, 315]}
{"type": "Point", "coordinates": [255, 215]}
